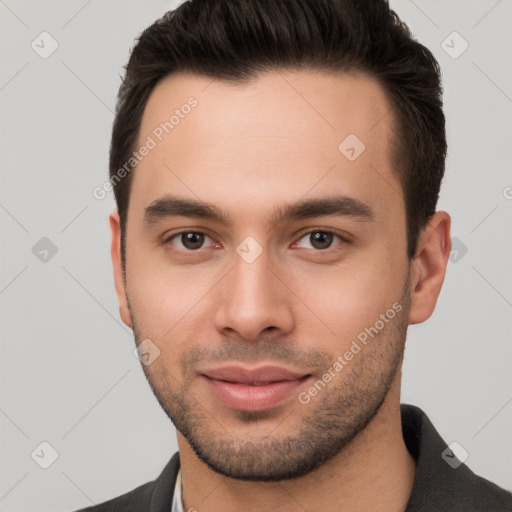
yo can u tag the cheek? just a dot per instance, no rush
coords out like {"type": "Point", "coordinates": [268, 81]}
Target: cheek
{"type": "Point", "coordinates": [349, 299]}
{"type": "Point", "coordinates": [165, 298]}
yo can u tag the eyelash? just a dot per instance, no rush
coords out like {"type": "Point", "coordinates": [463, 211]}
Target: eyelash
{"type": "Point", "coordinates": [343, 240]}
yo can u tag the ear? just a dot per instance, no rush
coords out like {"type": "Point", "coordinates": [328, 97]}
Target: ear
{"type": "Point", "coordinates": [429, 266]}
{"type": "Point", "coordinates": [119, 275]}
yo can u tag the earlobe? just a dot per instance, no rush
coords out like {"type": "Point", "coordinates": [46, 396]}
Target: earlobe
{"type": "Point", "coordinates": [119, 276]}
{"type": "Point", "coordinates": [429, 266]}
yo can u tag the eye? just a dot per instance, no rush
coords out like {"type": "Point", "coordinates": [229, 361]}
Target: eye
{"type": "Point", "coordinates": [321, 240]}
{"type": "Point", "coordinates": [188, 240]}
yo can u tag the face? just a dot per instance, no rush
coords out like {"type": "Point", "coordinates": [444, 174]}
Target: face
{"type": "Point", "coordinates": [259, 235]}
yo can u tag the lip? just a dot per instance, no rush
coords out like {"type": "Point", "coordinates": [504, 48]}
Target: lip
{"type": "Point", "coordinates": [241, 375]}
{"type": "Point", "coordinates": [234, 386]}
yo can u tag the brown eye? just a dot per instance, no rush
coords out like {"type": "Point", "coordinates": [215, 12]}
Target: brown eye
{"type": "Point", "coordinates": [192, 240]}
{"type": "Point", "coordinates": [320, 239]}
{"type": "Point", "coordinates": [189, 240]}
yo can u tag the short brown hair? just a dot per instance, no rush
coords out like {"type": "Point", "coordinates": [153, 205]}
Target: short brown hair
{"type": "Point", "coordinates": [234, 40]}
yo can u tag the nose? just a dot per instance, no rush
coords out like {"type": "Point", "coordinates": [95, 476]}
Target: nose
{"type": "Point", "coordinates": [254, 301]}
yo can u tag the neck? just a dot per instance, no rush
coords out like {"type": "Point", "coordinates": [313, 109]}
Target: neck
{"type": "Point", "coordinates": [375, 468]}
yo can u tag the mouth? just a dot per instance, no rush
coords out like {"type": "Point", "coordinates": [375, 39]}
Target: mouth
{"type": "Point", "coordinates": [252, 390]}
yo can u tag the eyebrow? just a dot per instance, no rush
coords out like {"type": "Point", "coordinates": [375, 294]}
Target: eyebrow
{"type": "Point", "coordinates": [172, 206]}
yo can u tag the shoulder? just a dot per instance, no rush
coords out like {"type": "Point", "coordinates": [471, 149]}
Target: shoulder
{"type": "Point", "coordinates": [442, 481]}
{"type": "Point", "coordinates": [134, 501]}
{"type": "Point", "coordinates": [489, 495]}
{"type": "Point", "coordinates": [154, 496]}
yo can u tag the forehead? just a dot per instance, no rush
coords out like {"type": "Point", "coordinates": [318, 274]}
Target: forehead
{"type": "Point", "coordinates": [270, 139]}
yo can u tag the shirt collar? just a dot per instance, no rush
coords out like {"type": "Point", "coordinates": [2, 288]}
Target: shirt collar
{"type": "Point", "coordinates": [177, 503]}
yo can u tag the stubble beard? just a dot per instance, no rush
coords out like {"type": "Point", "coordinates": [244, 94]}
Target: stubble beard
{"type": "Point", "coordinates": [324, 427]}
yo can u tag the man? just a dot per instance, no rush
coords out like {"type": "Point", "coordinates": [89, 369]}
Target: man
{"type": "Point", "coordinates": [276, 167]}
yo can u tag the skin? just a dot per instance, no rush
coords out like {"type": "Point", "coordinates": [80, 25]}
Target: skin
{"type": "Point", "coordinates": [248, 149]}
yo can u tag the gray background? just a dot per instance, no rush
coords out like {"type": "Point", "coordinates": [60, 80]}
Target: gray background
{"type": "Point", "coordinates": [68, 374]}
